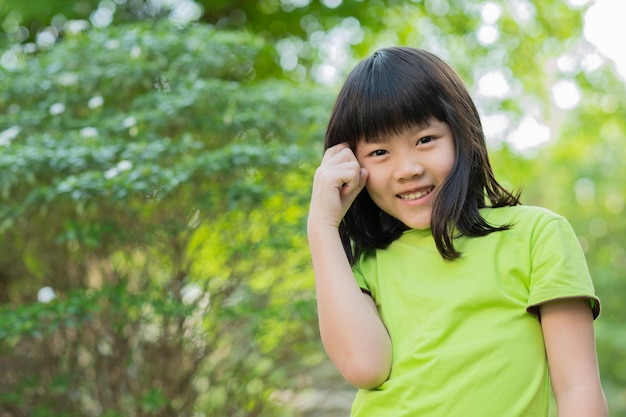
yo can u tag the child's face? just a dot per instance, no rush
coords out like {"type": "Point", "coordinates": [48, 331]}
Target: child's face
{"type": "Point", "coordinates": [407, 170]}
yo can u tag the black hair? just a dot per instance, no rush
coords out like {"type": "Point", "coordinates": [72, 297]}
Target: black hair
{"type": "Point", "coordinates": [389, 92]}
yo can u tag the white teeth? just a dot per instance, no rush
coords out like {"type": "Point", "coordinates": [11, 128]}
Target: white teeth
{"type": "Point", "coordinates": [415, 196]}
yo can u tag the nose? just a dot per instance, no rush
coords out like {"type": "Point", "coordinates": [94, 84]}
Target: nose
{"type": "Point", "coordinates": [408, 166]}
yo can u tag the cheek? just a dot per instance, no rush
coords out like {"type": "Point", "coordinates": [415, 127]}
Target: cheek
{"type": "Point", "coordinates": [448, 169]}
{"type": "Point", "coordinates": [377, 192]}
{"type": "Point", "coordinates": [447, 164]}
{"type": "Point", "coordinates": [374, 181]}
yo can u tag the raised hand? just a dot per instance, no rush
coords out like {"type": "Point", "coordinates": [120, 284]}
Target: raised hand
{"type": "Point", "coordinates": [352, 332]}
{"type": "Point", "coordinates": [338, 180]}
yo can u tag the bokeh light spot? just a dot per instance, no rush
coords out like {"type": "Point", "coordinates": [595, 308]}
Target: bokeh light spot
{"type": "Point", "coordinates": [566, 94]}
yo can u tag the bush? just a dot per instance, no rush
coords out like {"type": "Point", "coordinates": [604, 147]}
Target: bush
{"type": "Point", "coordinates": [147, 180]}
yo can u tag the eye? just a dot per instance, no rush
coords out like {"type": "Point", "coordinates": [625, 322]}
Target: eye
{"type": "Point", "coordinates": [425, 140]}
{"type": "Point", "coordinates": [378, 152]}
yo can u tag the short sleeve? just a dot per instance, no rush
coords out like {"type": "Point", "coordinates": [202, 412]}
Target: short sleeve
{"type": "Point", "coordinates": [558, 267]}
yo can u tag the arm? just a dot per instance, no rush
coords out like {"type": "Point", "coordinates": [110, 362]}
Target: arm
{"type": "Point", "coordinates": [352, 332]}
{"type": "Point", "coordinates": [567, 326]}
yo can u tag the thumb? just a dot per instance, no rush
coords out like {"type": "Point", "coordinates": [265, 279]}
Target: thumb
{"type": "Point", "coordinates": [351, 194]}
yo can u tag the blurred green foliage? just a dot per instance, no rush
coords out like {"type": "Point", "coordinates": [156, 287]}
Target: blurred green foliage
{"type": "Point", "coordinates": [149, 184]}
{"type": "Point", "coordinates": [155, 167]}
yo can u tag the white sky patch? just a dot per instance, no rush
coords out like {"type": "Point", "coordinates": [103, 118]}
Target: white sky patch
{"type": "Point", "coordinates": [332, 4]}
{"type": "Point", "coordinates": [530, 134]}
{"type": "Point", "coordinates": [493, 84]}
{"type": "Point", "coordinates": [567, 64]}
{"type": "Point", "coordinates": [605, 28]}
{"type": "Point", "coordinates": [487, 34]}
{"type": "Point", "coordinates": [566, 94]}
{"type": "Point", "coordinates": [325, 73]}
{"type": "Point", "coordinates": [577, 3]}
{"type": "Point", "coordinates": [490, 12]}
{"type": "Point", "coordinates": [288, 50]}
{"type": "Point", "coordinates": [334, 49]}
{"type": "Point", "coordinates": [495, 126]}
{"type": "Point", "coordinates": [523, 11]}
{"type": "Point", "coordinates": [592, 62]}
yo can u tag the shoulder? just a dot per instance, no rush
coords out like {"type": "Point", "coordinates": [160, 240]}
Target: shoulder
{"type": "Point", "coordinates": [537, 224]}
{"type": "Point", "coordinates": [522, 215]}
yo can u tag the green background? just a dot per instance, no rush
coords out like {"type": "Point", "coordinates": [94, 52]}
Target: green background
{"type": "Point", "coordinates": [155, 167]}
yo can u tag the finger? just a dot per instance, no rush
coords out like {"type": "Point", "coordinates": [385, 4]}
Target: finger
{"type": "Point", "coordinates": [343, 158]}
{"type": "Point", "coordinates": [356, 183]}
{"type": "Point", "coordinates": [340, 150]}
{"type": "Point", "coordinates": [341, 174]}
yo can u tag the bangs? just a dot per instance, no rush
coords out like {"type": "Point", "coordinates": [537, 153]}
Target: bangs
{"type": "Point", "coordinates": [385, 95]}
{"type": "Point", "coordinates": [391, 105]}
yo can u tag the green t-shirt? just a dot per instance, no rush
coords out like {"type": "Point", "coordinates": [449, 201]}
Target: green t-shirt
{"type": "Point", "coordinates": [465, 334]}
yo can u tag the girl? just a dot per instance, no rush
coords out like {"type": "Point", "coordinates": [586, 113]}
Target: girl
{"type": "Point", "coordinates": [438, 293]}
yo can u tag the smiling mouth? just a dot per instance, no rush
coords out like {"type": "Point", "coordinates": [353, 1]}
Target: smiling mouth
{"type": "Point", "coordinates": [415, 194]}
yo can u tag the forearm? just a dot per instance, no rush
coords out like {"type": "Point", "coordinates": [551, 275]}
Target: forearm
{"type": "Point", "coordinates": [351, 329]}
{"type": "Point", "coordinates": [568, 334]}
{"type": "Point", "coordinates": [582, 401]}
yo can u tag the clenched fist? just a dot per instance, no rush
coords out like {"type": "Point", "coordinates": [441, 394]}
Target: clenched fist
{"type": "Point", "coordinates": [338, 180]}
